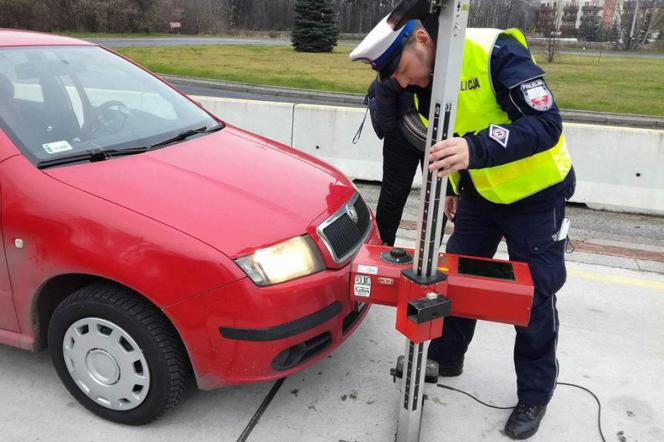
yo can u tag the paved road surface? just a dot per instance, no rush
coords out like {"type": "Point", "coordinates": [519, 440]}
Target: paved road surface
{"type": "Point", "coordinates": [612, 341]}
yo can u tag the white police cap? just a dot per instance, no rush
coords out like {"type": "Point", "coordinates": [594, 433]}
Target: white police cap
{"type": "Point", "coordinates": [382, 47]}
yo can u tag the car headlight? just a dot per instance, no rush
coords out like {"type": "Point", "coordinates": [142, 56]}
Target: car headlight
{"type": "Point", "coordinates": [288, 260]}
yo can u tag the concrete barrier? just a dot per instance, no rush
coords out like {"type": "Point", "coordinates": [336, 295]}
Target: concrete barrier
{"type": "Point", "coordinates": [326, 132]}
{"type": "Point", "coordinates": [269, 119]}
{"type": "Point", "coordinates": [620, 169]}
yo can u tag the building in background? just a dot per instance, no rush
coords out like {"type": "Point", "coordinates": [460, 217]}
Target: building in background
{"type": "Point", "coordinates": [546, 17]}
{"type": "Point", "coordinates": [570, 16]}
{"type": "Point", "coordinates": [610, 13]}
{"type": "Point", "coordinates": [571, 19]}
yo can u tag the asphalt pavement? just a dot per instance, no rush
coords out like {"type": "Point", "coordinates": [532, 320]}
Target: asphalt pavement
{"type": "Point", "coordinates": [611, 342]}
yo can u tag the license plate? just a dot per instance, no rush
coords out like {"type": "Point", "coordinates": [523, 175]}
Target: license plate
{"type": "Point", "coordinates": [362, 286]}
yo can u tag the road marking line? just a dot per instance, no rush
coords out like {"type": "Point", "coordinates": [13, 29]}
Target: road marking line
{"type": "Point", "coordinates": [614, 279]}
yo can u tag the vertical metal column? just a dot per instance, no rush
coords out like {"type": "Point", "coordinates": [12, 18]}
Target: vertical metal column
{"type": "Point", "coordinates": [445, 88]}
{"type": "Point", "coordinates": [412, 392]}
{"type": "Point", "coordinates": [444, 96]}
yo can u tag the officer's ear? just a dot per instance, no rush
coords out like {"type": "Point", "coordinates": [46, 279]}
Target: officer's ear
{"type": "Point", "coordinates": [422, 37]}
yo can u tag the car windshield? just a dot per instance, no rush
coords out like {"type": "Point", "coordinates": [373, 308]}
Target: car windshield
{"type": "Point", "coordinates": [65, 101]}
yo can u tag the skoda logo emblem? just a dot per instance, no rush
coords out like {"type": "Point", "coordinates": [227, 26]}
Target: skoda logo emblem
{"type": "Point", "coordinates": [352, 213]}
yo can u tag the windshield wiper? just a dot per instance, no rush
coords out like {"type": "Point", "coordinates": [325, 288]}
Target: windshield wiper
{"type": "Point", "coordinates": [186, 134]}
{"type": "Point", "coordinates": [105, 154]}
{"type": "Point", "coordinates": [92, 156]}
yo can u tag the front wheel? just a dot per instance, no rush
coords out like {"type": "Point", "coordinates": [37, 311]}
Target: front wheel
{"type": "Point", "coordinates": [117, 354]}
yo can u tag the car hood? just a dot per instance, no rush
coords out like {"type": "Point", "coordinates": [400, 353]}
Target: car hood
{"type": "Point", "coordinates": [232, 190]}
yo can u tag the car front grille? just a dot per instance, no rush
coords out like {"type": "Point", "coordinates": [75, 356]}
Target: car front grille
{"type": "Point", "coordinates": [342, 234]}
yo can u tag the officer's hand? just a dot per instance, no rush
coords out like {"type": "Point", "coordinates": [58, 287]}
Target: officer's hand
{"type": "Point", "coordinates": [451, 155]}
{"type": "Point", "coordinates": [451, 204]}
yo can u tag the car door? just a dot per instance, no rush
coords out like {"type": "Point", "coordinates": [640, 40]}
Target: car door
{"type": "Point", "coordinates": [7, 312]}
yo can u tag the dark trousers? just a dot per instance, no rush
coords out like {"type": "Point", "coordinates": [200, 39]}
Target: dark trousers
{"type": "Point", "coordinates": [528, 231]}
{"type": "Point", "coordinates": [400, 162]}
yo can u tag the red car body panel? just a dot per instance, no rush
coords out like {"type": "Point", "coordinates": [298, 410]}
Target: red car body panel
{"type": "Point", "coordinates": [219, 361]}
{"type": "Point", "coordinates": [10, 37]}
{"type": "Point", "coordinates": [227, 179]}
{"type": "Point", "coordinates": [168, 224]}
{"type": "Point", "coordinates": [69, 231]}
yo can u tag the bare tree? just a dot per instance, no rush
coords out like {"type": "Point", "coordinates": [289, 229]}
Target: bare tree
{"type": "Point", "coordinates": [639, 20]}
{"type": "Point", "coordinates": [206, 16]}
{"type": "Point", "coordinates": [653, 20]}
{"type": "Point", "coordinates": [499, 13]}
{"type": "Point", "coordinates": [548, 22]}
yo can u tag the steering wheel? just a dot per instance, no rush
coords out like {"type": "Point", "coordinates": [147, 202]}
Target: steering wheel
{"type": "Point", "coordinates": [107, 118]}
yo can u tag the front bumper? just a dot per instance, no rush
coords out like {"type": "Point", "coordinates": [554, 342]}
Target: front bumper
{"type": "Point", "coordinates": [283, 331]}
{"type": "Point", "coordinates": [243, 333]}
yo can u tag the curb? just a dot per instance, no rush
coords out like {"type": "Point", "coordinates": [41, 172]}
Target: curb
{"type": "Point", "coordinates": [582, 246]}
{"type": "Point", "coordinates": [332, 98]}
{"type": "Point", "coordinates": [356, 100]}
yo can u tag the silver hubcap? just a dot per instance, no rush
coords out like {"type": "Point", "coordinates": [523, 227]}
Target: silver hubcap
{"type": "Point", "coordinates": [106, 363]}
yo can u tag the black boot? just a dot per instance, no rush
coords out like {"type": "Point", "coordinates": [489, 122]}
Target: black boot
{"type": "Point", "coordinates": [524, 421]}
{"type": "Point", "coordinates": [450, 371]}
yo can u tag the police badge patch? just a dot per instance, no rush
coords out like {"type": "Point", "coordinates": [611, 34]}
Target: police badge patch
{"type": "Point", "coordinates": [537, 95]}
{"type": "Point", "coordinates": [499, 134]}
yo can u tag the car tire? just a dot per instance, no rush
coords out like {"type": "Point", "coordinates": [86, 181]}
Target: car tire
{"type": "Point", "coordinates": [117, 354]}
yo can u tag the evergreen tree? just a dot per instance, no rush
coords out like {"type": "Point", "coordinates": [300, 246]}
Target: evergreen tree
{"type": "Point", "coordinates": [314, 29]}
{"type": "Point", "coordinates": [591, 29]}
{"type": "Point", "coordinates": [613, 34]}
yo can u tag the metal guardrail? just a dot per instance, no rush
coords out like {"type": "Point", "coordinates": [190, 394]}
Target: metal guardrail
{"type": "Point", "coordinates": [356, 100]}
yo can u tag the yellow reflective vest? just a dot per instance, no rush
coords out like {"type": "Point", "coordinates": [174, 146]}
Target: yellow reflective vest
{"type": "Point", "coordinates": [478, 108]}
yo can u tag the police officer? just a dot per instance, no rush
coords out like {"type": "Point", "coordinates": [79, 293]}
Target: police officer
{"type": "Point", "coordinates": [390, 108]}
{"type": "Point", "coordinates": [510, 174]}
{"type": "Point", "coordinates": [395, 120]}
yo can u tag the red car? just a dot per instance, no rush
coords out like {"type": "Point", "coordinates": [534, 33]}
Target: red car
{"type": "Point", "coordinates": [147, 242]}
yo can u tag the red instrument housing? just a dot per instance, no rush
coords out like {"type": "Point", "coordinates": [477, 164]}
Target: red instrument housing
{"type": "Point", "coordinates": [505, 298]}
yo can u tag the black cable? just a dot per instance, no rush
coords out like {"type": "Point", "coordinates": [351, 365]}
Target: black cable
{"type": "Point", "coordinates": [599, 404]}
{"type": "Point", "coordinates": [261, 409]}
{"type": "Point", "coordinates": [447, 387]}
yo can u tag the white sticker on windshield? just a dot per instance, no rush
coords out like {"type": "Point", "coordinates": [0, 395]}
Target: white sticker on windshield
{"type": "Point", "coordinates": [57, 147]}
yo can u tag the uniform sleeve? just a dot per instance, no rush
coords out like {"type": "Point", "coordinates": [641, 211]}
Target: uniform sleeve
{"type": "Point", "coordinates": [384, 106]}
{"type": "Point", "coordinates": [524, 95]}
